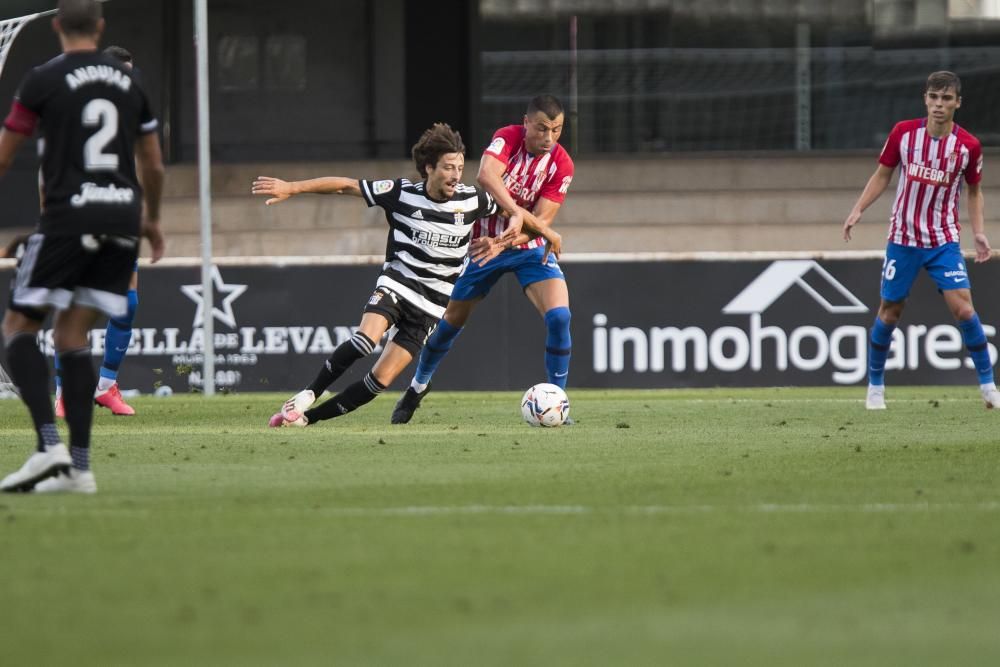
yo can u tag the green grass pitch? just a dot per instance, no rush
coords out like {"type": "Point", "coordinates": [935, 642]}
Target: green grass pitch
{"type": "Point", "coordinates": [721, 527]}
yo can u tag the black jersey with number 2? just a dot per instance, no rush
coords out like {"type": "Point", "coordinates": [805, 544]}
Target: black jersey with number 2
{"type": "Point", "coordinates": [90, 114]}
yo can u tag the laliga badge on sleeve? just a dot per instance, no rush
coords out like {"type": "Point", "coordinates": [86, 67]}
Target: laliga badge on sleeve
{"type": "Point", "coordinates": [496, 146]}
{"type": "Point", "coordinates": [381, 187]}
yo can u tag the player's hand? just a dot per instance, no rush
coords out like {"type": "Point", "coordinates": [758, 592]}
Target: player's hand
{"type": "Point", "coordinates": [278, 189]}
{"type": "Point", "coordinates": [983, 249]}
{"type": "Point", "coordinates": [485, 248]}
{"type": "Point", "coordinates": [151, 232]}
{"type": "Point", "coordinates": [853, 219]}
{"type": "Point", "coordinates": [553, 245]}
{"type": "Point", "coordinates": [514, 225]}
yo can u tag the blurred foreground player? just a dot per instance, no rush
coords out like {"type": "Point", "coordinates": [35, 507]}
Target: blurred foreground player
{"type": "Point", "coordinates": [118, 334]}
{"type": "Point", "coordinates": [93, 118]}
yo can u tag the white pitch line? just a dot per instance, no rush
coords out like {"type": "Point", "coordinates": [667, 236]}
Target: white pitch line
{"type": "Point", "coordinates": [544, 510]}
{"type": "Point", "coordinates": [819, 400]}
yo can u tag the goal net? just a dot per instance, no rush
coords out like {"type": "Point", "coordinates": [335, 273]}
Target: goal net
{"type": "Point", "coordinates": [9, 28]}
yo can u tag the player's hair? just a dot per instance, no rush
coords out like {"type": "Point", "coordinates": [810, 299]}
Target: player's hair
{"type": "Point", "coordinates": [79, 17]}
{"type": "Point", "coordinates": [944, 80]}
{"type": "Point", "coordinates": [438, 140]}
{"type": "Point", "coordinates": [547, 104]}
{"type": "Point", "coordinates": [119, 53]}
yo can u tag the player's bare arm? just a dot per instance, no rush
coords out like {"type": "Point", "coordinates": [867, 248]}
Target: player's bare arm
{"type": "Point", "coordinates": [876, 185]}
{"type": "Point", "coordinates": [977, 206]}
{"type": "Point", "coordinates": [9, 143]}
{"type": "Point", "coordinates": [490, 177]}
{"type": "Point", "coordinates": [147, 149]}
{"type": "Point", "coordinates": [280, 190]}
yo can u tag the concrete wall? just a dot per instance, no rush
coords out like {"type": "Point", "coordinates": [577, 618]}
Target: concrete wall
{"type": "Point", "coordinates": [628, 205]}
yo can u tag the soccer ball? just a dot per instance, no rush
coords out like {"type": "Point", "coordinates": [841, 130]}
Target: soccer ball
{"type": "Point", "coordinates": [545, 405]}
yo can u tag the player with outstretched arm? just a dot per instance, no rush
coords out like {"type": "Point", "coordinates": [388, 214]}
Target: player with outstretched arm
{"type": "Point", "coordinates": [430, 226]}
{"type": "Point", "coordinates": [525, 166]}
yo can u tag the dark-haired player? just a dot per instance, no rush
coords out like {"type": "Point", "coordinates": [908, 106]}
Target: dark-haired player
{"type": "Point", "coordinates": [936, 156]}
{"type": "Point", "coordinates": [523, 166]}
{"type": "Point", "coordinates": [94, 119]}
{"type": "Point", "coordinates": [430, 225]}
{"type": "Point", "coordinates": [118, 334]}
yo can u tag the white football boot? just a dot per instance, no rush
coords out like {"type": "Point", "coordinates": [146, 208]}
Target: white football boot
{"type": "Point", "coordinates": [292, 412]}
{"type": "Point", "coordinates": [74, 481]}
{"type": "Point", "coordinates": [876, 397]}
{"type": "Point", "coordinates": [38, 466]}
{"type": "Point", "coordinates": [990, 395]}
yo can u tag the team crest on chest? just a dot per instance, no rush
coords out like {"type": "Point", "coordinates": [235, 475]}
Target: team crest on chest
{"type": "Point", "coordinates": [459, 218]}
{"type": "Point", "coordinates": [952, 160]}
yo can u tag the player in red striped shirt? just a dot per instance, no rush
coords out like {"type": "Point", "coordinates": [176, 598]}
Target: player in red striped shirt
{"type": "Point", "coordinates": [935, 155]}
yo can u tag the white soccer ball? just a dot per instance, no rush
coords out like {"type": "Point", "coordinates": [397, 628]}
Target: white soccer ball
{"type": "Point", "coordinates": [545, 405]}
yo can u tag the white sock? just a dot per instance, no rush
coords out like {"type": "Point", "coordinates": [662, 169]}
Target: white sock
{"type": "Point", "coordinates": [989, 386]}
{"type": "Point", "coordinates": [418, 387]}
{"type": "Point", "coordinates": [103, 384]}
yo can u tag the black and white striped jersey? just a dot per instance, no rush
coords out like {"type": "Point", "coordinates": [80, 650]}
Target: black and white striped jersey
{"type": "Point", "coordinates": [428, 240]}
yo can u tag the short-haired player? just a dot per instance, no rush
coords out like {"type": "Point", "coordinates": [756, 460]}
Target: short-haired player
{"type": "Point", "coordinates": [430, 226]}
{"type": "Point", "coordinates": [525, 166]}
{"type": "Point", "coordinates": [94, 118]}
{"type": "Point", "coordinates": [935, 157]}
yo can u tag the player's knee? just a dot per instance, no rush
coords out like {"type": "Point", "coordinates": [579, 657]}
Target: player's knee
{"type": "Point", "coordinates": [964, 312]}
{"type": "Point", "coordinates": [890, 312]}
{"type": "Point", "coordinates": [558, 318]}
{"type": "Point", "coordinates": [557, 322]}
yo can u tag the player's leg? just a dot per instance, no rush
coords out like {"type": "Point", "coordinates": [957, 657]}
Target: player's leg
{"type": "Point", "coordinates": [439, 343]}
{"type": "Point", "coordinates": [949, 272]}
{"type": "Point", "coordinates": [411, 330]}
{"type": "Point", "coordinates": [390, 364]}
{"type": "Point", "coordinates": [101, 287]}
{"type": "Point", "coordinates": [373, 326]}
{"type": "Point", "coordinates": [116, 341]}
{"type": "Point", "coordinates": [38, 286]}
{"type": "Point", "coordinates": [545, 286]}
{"type": "Point", "coordinates": [959, 302]}
{"type": "Point", "coordinates": [899, 270]}
{"type": "Point", "coordinates": [71, 327]}
{"type": "Point", "coordinates": [551, 299]}
{"type": "Point", "coordinates": [472, 286]}
{"type": "Point", "coordinates": [378, 317]}
{"type": "Point", "coordinates": [30, 372]}
{"type": "Point", "coordinates": [441, 340]}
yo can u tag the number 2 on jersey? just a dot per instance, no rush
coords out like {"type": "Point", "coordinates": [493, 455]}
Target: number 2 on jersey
{"type": "Point", "coordinates": [103, 114]}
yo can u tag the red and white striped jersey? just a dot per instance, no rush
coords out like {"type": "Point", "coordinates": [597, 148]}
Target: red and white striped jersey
{"type": "Point", "coordinates": [528, 177]}
{"type": "Point", "coordinates": [925, 213]}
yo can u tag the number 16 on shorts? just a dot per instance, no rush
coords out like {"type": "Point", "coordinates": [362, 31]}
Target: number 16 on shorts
{"type": "Point", "coordinates": [888, 269]}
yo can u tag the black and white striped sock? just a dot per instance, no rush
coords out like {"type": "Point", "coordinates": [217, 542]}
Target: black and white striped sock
{"type": "Point", "coordinates": [349, 400]}
{"type": "Point", "coordinates": [356, 347]}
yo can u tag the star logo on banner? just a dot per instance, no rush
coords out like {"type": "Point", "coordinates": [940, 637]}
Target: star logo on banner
{"type": "Point", "coordinates": [223, 314]}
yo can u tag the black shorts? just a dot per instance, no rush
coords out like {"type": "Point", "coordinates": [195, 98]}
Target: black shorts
{"type": "Point", "coordinates": [411, 327]}
{"type": "Point", "coordinates": [87, 270]}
